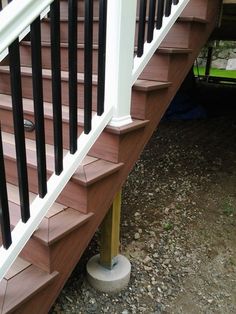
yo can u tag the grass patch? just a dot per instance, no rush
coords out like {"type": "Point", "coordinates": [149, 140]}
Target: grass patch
{"type": "Point", "coordinates": [215, 72]}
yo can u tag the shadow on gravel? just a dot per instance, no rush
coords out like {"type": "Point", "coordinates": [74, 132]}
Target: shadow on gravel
{"type": "Point", "coordinates": [178, 222]}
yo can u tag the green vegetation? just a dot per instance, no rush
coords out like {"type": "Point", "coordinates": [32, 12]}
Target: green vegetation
{"type": "Point", "coordinates": [168, 226]}
{"type": "Point", "coordinates": [228, 208]}
{"type": "Point", "coordinates": [216, 72]}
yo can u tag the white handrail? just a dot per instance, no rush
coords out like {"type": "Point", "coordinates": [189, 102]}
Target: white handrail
{"type": "Point", "coordinates": [16, 17]}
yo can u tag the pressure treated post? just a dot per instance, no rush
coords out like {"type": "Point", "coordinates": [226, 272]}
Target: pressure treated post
{"type": "Point", "coordinates": [109, 271]}
{"type": "Point", "coordinates": [110, 235]}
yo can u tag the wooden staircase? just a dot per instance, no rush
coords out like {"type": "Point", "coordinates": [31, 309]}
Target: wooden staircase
{"type": "Point", "coordinates": [46, 262]}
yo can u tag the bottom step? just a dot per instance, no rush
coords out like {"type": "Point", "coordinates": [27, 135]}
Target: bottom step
{"type": "Point", "coordinates": [22, 281]}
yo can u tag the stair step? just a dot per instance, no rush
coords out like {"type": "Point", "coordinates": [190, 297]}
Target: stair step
{"type": "Point", "coordinates": [23, 281]}
{"type": "Point", "coordinates": [140, 108]}
{"type": "Point", "coordinates": [183, 32]}
{"type": "Point", "coordinates": [77, 191]}
{"type": "Point", "coordinates": [25, 50]}
{"type": "Point", "coordinates": [45, 27]}
{"type": "Point", "coordinates": [166, 64]}
{"type": "Point", "coordinates": [27, 89]}
{"type": "Point", "coordinates": [59, 221]}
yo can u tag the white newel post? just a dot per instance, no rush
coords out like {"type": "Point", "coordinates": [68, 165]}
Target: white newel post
{"type": "Point", "coordinates": [121, 20]}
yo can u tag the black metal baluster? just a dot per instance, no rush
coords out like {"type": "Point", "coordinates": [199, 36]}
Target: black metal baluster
{"type": "Point", "coordinates": [141, 28]}
{"type": "Point", "coordinates": [101, 55]}
{"type": "Point", "coordinates": [16, 93]}
{"type": "Point", "coordinates": [4, 209]}
{"type": "Point", "coordinates": [168, 8]}
{"type": "Point", "coordinates": [0, 5]}
{"type": "Point", "coordinates": [160, 13]}
{"type": "Point", "coordinates": [72, 54]}
{"type": "Point", "coordinates": [88, 57]}
{"type": "Point", "coordinates": [175, 2]}
{"type": "Point", "coordinates": [151, 20]}
{"type": "Point", "coordinates": [56, 85]}
{"type": "Point", "coordinates": [35, 33]}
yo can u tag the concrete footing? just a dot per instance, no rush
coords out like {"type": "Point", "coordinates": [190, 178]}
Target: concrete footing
{"type": "Point", "coordinates": [105, 280]}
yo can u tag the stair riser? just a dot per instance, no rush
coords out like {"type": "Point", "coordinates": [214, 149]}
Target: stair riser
{"type": "Point", "coordinates": [140, 100]}
{"type": "Point", "coordinates": [25, 51]}
{"type": "Point", "coordinates": [200, 9]}
{"type": "Point", "coordinates": [178, 32]}
{"type": "Point", "coordinates": [179, 36]}
{"type": "Point", "coordinates": [164, 67]}
{"type": "Point", "coordinates": [45, 28]}
{"type": "Point", "coordinates": [80, 10]}
{"type": "Point", "coordinates": [47, 93]}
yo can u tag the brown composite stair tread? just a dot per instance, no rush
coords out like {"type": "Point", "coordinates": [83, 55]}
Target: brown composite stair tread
{"type": "Point", "coordinates": [134, 125]}
{"type": "Point", "coordinates": [192, 18]}
{"type": "Point", "coordinates": [147, 86]}
{"type": "Point", "coordinates": [13, 196]}
{"type": "Point", "coordinates": [171, 50]}
{"type": "Point", "coordinates": [59, 221]}
{"type": "Point", "coordinates": [63, 45]}
{"type": "Point", "coordinates": [22, 282]}
{"type": "Point", "coordinates": [19, 265]}
{"type": "Point", "coordinates": [89, 172]}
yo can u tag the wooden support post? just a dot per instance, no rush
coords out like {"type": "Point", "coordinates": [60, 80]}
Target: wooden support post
{"type": "Point", "coordinates": [110, 234]}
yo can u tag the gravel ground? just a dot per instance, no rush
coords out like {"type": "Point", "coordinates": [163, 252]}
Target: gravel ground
{"type": "Point", "coordinates": [178, 227]}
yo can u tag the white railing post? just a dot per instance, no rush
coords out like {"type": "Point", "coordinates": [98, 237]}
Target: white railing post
{"type": "Point", "coordinates": [121, 19]}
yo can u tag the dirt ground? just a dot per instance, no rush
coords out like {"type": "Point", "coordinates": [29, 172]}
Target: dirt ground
{"type": "Point", "coordinates": [178, 226]}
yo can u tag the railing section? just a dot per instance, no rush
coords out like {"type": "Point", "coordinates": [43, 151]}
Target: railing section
{"type": "Point", "coordinates": [94, 123]}
{"type": "Point", "coordinates": [117, 71]}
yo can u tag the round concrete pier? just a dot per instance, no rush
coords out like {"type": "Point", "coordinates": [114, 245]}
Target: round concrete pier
{"type": "Point", "coordinates": [105, 280]}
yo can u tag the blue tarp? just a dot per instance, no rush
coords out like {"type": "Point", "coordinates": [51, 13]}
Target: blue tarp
{"type": "Point", "coordinates": [183, 107]}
